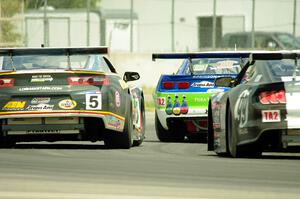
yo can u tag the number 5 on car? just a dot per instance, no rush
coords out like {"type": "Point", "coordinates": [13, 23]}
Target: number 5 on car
{"type": "Point", "coordinates": [93, 101]}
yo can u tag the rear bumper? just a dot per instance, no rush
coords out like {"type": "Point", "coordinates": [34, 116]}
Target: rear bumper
{"type": "Point", "coordinates": [111, 121]}
{"type": "Point", "coordinates": [194, 114]}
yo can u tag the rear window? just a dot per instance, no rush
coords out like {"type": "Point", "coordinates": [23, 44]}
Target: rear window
{"type": "Point", "coordinates": [215, 66]}
{"type": "Point", "coordinates": [284, 69]}
{"type": "Point", "coordinates": [38, 62]}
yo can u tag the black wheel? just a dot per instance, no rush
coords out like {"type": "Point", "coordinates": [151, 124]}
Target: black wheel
{"type": "Point", "coordinates": [250, 150]}
{"type": "Point", "coordinates": [231, 135]}
{"type": "Point", "coordinates": [141, 133]}
{"type": "Point", "coordinates": [6, 143]}
{"type": "Point", "coordinates": [121, 140]}
{"type": "Point", "coordinates": [176, 134]}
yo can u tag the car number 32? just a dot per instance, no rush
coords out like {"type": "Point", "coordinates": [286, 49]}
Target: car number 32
{"type": "Point", "coordinates": [93, 101]}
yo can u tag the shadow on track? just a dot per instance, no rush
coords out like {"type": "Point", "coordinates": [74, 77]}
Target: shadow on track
{"type": "Point", "coordinates": [273, 156]}
{"type": "Point", "coordinates": [61, 146]}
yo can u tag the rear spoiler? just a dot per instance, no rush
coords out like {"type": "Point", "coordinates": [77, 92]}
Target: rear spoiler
{"type": "Point", "coordinates": [53, 51]}
{"type": "Point", "coordinates": [273, 56]}
{"type": "Point", "coordinates": [200, 55]}
{"type": "Point", "coordinates": [269, 56]}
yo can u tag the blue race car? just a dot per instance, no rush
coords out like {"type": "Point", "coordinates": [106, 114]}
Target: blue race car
{"type": "Point", "coordinates": [181, 99]}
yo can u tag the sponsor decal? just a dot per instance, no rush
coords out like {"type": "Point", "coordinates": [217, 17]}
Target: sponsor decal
{"type": "Point", "coordinates": [117, 99]}
{"type": "Point", "coordinates": [93, 92]}
{"type": "Point", "coordinates": [270, 116]}
{"type": "Point", "coordinates": [67, 104]}
{"type": "Point", "coordinates": [241, 108]}
{"type": "Point", "coordinates": [201, 99]}
{"type": "Point", "coordinates": [177, 108]}
{"type": "Point", "coordinates": [215, 90]}
{"type": "Point", "coordinates": [41, 78]}
{"type": "Point", "coordinates": [41, 88]}
{"type": "Point", "coordinates": [203, 84]}
{"type": "Point", "coordinates": [93, 101]}
{"type": "Point", "coordinates": [113, 122]}
{"type": "Point", "coordinates": [169, 107]}
{"type": "Point", "coordinates": [161, 101]}
{"type": "Point", "coordinates": [40, 100]}
{"type": "Point", "coordinates": [226, 64]}
{"type": "Point", "coordinates": [14, 105]}
{"type": "Point", "coordinates": [42, 131]}
{"type": "Point", "coordinates": [40, 107]}
{"type": "Point", "coordinates": [184, 109]}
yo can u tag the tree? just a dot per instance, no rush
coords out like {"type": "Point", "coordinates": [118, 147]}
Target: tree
{"type": "Point", "coordinates": [34, 4]}
{"type": "Point", "coordinates": [8, 9]}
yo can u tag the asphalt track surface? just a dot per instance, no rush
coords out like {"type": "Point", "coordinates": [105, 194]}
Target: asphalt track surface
{"type": "Point", "coordinates": [153, 170]}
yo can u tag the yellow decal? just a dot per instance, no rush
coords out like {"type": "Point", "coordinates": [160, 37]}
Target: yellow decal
{"type": "Point", "coordinates": [15, 105]}
{"type": "Point", "coordinates": [67, 104]}
{"type": "Point", "coordinates": [123, 84]}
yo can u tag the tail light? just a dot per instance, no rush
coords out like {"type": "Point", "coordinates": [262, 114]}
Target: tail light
{"type": "Point", "coordinates": [272, 97]}
{"type": "Point", "coordinates": [6, 82]}
{"type": "Point", "coordinates": [183, 85]}
{"type": "Point", "coordinates": [88, 80]}
{"type": "Point", "coordinates": [168, 85]}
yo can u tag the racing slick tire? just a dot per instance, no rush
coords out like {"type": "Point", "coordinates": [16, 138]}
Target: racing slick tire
{"type": "Point", "coordinates": [6, 142]}
{"type": "Point", "coordinates": [173, 135]}
{"type": "Point", "coordinates": [141, 136]}
{"type": "Point", "coordinates": [250, 150]}
{"type": "Point", "coordinates": [121, 140]}
{"type": "Point", "coordinates": [231, 135]}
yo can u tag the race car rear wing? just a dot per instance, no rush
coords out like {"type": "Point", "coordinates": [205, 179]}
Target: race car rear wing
{"type": "Point", "coordinates": [268, 56]}
{"type": "Point", "coordinates": [53, 51]}
{"type": "Point", "coordinates": [274, 56]}
{"type": "Point", "coordinates": [200, 55]}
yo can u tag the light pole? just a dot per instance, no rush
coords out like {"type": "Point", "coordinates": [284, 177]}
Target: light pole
{"type": "Point", "coordinates": [173, 26]}
{"type": "Point", "coordinates": [214, 25]}
{"type": "Point", "coordinates": [253, 23]}
{"type": "Point", "coordinates": [294, 18]}
{"type": "Point", "coordinates": [131, 26]}
{"type": "Point", "coordinates": [88, 8]}
{"type": "Point", "coordinates": [46, 30]}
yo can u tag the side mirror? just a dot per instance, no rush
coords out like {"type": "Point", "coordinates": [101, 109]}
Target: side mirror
{"type": "Point", "coordinates": [224, 81]}
{"type": "Point", "coordinates": [131, 76]}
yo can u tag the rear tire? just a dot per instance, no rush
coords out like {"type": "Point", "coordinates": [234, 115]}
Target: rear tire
{"type": "Point", "coordinates": [141, 135]}
{"type": "Point", "coordinates": [121, 140]}
{"type": "Point", "coordinates": [6, 142]}
{"type": "Point", "coordinates": [232, 135]}
{"type": "Point", "coordinates": [251, 150]}
{"type": "Point", "coordinates": [176, 134]}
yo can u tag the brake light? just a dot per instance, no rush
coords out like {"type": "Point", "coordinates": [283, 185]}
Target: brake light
{"type": "Point", "coordinates": [183, 85]}
{"type": "Point", "coordinates": [272, 97]}
{"type": "Point", "coordinates": [88, 80]}
{"type": "Point", "coordinates": [168, 85]}
{"type": "Point", "coordinates": [6, 82]}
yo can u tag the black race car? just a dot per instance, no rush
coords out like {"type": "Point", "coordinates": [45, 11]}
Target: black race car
{"type": "Point", "coordinates": [52, 94]}
{"type": "Point", "coordinates": [262, 109]}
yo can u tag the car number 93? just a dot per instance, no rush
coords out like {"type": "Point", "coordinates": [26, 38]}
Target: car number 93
{"type": "Point", "coordinates": [93, 101]}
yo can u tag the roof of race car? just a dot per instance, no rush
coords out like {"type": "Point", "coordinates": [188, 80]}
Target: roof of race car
{"type": "Point", "coordinates": [53, 51]}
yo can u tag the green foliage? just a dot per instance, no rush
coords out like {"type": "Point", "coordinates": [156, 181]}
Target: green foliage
{"type": "Point", "coordinates": [34, 4]}
{"type": "Point", "coordinates": [149, 103]}
{"type": "Point", "coordinates": [7, 29]}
